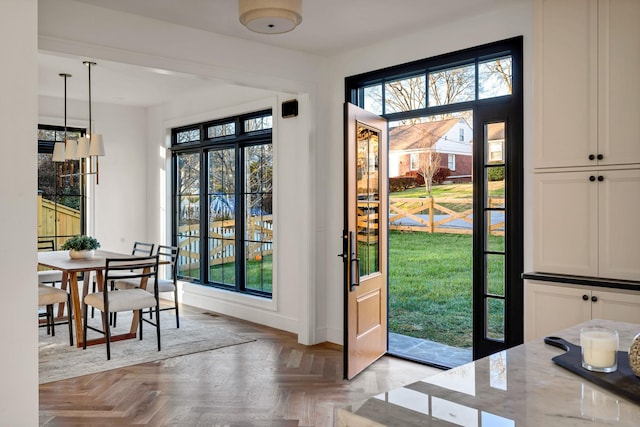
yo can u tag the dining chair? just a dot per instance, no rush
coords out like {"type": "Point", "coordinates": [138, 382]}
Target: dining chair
{"type": "Point", "coordinates": [47, 297]}
{"type": "Point", "coordinates": [170, 254]}
{"type": "Point", "coordinates": [139, 249]}
{"type": "Point", "coordinates": [48, 276]}
{"type": "Point", "coordinates": [143, 268]}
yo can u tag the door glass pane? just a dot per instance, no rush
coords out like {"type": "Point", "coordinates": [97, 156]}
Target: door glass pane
{"type": "Point", "coordinates": [495, 274]}
{"type": "Point", "coordinates": [495, 319]}
{"type": "Point", "coordinates": [494, 143]}
{"type": "Point", "coordinates": [188, 206]}
{"type": "Point", "coordinates": [368, 205]}
{"type": "Point", "coordinates": [494, 232]}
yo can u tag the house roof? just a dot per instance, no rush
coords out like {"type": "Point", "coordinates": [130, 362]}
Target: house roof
{"type": "Point", "coordinates": [495, 131]}
{"type": "Point", "coordinates": [419, 136]}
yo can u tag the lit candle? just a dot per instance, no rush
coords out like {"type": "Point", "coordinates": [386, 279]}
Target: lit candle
{"type": "Point", "coordinates": [599, 349]}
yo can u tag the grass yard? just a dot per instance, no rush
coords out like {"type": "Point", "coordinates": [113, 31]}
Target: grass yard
{"type": "Point", "coordinates": [430, 286]}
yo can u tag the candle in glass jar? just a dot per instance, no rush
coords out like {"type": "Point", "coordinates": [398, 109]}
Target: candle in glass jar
{"type": "Point", "coordinates": [599, 349]}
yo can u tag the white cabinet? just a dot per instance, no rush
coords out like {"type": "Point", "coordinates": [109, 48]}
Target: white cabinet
{"type": "Point", "coordinates": [587, 96]}
{"type": "Point", "coordinates": [586, 223]}
{"type": "Point", "coordinates": [552, 307]}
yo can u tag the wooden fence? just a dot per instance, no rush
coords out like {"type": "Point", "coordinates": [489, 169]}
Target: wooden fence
{"type": "Point", "coordinates": [222, 247]}
{"type": "Point", "coordinates": [431, 215]}
{"type": "Point", "coordinates": [67, 219]}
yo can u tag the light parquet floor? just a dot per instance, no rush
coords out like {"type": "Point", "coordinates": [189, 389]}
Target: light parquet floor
{"type": "Point", "coordinates": [273, 381]}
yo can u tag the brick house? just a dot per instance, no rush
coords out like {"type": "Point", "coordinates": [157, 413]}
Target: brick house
{"type": "Point", "coordinates": [451, 138]}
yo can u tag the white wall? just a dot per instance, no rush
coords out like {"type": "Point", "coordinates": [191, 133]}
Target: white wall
{"type": "Point", "coordinates": [18, 223]}
{"type": "Point", "coordinates": [514, 19]}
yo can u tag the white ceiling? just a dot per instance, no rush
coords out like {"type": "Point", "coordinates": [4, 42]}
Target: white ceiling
{"type": "Point", "coordinates": [328, 27]}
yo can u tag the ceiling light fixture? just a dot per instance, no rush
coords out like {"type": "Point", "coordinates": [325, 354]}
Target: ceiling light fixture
{"type": "Point", "coordinates": [86, 147]}
{"type": "Point", "coordinates": [270, 16]}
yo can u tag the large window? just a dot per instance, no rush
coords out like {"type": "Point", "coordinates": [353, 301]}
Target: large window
{"type": "Point", "coordinates": [223, 216]}
{"type": "Point", "coordinates": [61, 191]}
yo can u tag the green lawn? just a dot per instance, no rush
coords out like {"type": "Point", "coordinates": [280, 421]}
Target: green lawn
{"type": "Point", "coordinates": [430, 285]}
{"type": "Point", "coordinates": [459, 191]}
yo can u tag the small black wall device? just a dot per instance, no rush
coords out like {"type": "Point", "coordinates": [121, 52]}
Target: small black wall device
{"type": "Point", "coordinates": [290, 108]}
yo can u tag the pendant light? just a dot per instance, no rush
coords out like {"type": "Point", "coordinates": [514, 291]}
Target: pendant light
{"type": "Point", "coordinates": [59, 148]}
{"type": "Point", "coordinates": [88, 147]}
{"type": "Point", "coordinates": [92, 146]}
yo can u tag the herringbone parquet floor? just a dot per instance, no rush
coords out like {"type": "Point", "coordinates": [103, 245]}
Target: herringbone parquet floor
{"type": "Point", "coordinates": [273, 381]}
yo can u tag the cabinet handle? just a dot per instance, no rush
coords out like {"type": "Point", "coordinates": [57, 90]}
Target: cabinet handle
{"type": "Point", "coordinates": [592, 157]}
{"type": "Point", "coordinates": [594, 298]}
{"type": "Point", "coordinates": [592, 178]}
{"type": "Point", "coordinates": [600, 178]}
{"type": "Point", "coordinates": [600, 157]}
{"type": "Point", "coordinates": [585, 297]}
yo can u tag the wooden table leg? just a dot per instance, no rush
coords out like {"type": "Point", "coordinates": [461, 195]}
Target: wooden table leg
{"type": "Point", "coordinates": [135, 319]}
{"type": "Point", "coordinates": [77, 309]}
{"type": "Point", "coordinates": [63, 286]}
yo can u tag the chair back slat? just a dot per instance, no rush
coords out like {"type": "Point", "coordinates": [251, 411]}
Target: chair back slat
{"type": "Point", "coordinates": [170, 254]}
{"type": "Point", "coordinates": [142, 249]}
{"type": "Point", "coordinates": [45, 245]}
{"type": "Point", "coordinates": [130, 268]}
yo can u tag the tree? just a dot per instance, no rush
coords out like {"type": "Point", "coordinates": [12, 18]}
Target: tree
{"type": "Point", "coordinates": [436, 88]}
{"type": "Point", "coordinates": [429, 160]}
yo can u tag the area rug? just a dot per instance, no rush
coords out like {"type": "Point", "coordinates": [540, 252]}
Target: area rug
{"type": "Point", "coordinates": [197, 333]}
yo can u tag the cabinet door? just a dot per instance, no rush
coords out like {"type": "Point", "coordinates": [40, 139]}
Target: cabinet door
{"type": "Point", "coordinates": [566, 86]}
{"type": "Point", "coordinates": [619, 91]}
{"type": "Point", "coordinates": [550, 308]}
{"type": "Point", "coordinates": [619, 306]}
{"type": "Point", "coordinates": [619, 228]}
{"type": "Point", "coordinates": [566, 223]}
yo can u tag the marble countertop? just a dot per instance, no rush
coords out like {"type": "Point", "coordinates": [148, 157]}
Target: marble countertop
{"type": "Point", "coordinates": [517, 387]}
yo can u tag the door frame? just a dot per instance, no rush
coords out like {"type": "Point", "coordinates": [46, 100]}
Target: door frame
{"type": "Point", "coordinates": [354, 93]}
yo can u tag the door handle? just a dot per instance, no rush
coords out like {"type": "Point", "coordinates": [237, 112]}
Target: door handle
{"type": "Point", "coordinates": [354, 263]}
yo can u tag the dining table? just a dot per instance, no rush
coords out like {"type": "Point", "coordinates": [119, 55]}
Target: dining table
{"type": "Point", "coordinates": [71, 268]}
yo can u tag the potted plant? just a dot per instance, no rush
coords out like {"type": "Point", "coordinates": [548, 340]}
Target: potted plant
{"type": "Point", "coordinates": [81, 247]}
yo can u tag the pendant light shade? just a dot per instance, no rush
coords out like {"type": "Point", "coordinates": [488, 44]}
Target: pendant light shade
{"type": "Point", "coordinates": [58, 152]}
{"type": "Point", "coordinates": [96, 146]}
{"type": "Point", "coordinates": [83, 148]}
{"type": "Point", "coordinates": [71, 150]}
{"type": "Point", "coordinates": [270, 16]}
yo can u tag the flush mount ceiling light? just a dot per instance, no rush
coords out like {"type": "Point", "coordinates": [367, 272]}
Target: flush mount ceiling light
{"type": "Point", "coordinates": [270, 16]}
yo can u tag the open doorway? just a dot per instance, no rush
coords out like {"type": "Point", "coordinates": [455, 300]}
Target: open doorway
{"type": "Point", "coordinates": [431, 238]}
{"type": "Point", "coordinates": [455, 201]}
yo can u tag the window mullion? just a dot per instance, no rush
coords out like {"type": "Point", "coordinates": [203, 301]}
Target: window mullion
{"type": "Point", "coordinates": [239, 217]}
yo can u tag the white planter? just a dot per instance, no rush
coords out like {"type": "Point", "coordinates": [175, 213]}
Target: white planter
{"type": "Point", "coordinates": [73, 254]}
